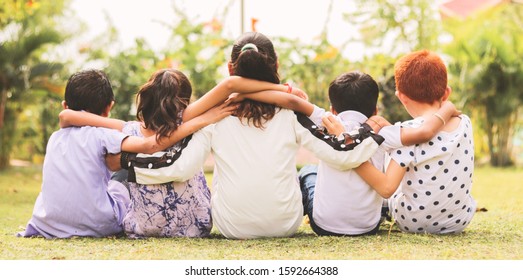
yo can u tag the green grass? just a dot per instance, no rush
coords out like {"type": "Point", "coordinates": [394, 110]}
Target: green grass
{"type": "Point", "coordinates": [493, 235]}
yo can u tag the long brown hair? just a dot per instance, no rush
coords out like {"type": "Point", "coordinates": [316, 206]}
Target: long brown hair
{"type": "Point", "coordinates": [162, 100]}
{"type": "Point", "coordinates": [256, 61]}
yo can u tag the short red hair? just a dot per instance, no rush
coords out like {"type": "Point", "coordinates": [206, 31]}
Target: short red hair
{"type": "Point", "coordinates": [422, 76]}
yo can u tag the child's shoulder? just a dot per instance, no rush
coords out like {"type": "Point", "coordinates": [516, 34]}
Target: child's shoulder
{"type": "Point", "coordinates": [132, 128]}
{"type": "Point", "coordinates": [414, 123]}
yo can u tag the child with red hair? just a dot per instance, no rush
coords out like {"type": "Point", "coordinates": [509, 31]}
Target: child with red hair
{"type": "Point", "coordinates": [430, 183]}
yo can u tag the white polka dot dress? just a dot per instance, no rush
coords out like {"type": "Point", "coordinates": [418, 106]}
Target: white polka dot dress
{"type": "Point", "coordinates": [434, 196]}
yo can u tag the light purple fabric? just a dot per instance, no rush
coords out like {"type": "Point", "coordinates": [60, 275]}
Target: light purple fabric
{"type": "Point", "coordinates": [77, 197]}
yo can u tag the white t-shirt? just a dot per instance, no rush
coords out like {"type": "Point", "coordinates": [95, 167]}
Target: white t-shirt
{"type": "Point", "coordinates": [434, 195]}
{"type": "Point", "coordinates": [343, 202]}
{"type": "Point", "coordinates": [255, 189]}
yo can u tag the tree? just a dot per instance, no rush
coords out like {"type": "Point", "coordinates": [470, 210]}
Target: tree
{"type": "Point", "coordinates": [128, 70]}
{"type": "Point", "coordinates": [486, 61]}
{"type": "Point", "coordinates": [199, 50]}
{"type": "Point", "coordinates": [28, 32]}
{"type": "Point", "coordinates": [390, 29]}
{"type": "Point", "coordinates": [311, 67]}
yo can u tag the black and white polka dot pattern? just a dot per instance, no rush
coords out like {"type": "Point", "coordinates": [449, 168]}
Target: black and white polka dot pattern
{"type": "Point", "coordinates": [434, 196]}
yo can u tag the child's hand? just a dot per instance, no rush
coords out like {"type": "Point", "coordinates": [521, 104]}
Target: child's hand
{"type": "Point", "coordinates": [234, 98]}
{"type": "Point", "coordinates": [113, 162]}
{"type": "Point", "coordinates": [300, 93]}
{"type": "Point", "coordinates": [377, 123]}
{"type": "Point", "coordinates": [447, 105]}
{"type": "Point", "coordinates": [217, 113]}
{"type": "Point", "coordinates": [332, 125]}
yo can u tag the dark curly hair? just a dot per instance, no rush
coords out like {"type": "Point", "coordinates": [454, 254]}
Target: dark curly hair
{"type": "Point", "coordinates": [162, 100]}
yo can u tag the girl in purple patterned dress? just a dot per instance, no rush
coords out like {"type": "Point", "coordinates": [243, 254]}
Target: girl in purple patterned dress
{"type": "Point", "coordinates": [176, 208]}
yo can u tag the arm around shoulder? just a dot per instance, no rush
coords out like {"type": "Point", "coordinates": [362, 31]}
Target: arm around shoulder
{"type": "Point", "coordinates": [385, 184]}
{"type": "Point", "coordinates": [180, 165]}
{"type": "Point", "coordinates": [431, 126]}
{"type": "Point", "coordinates": [70, 117]}
{"type": "Point", "coordinates": [331, 151]}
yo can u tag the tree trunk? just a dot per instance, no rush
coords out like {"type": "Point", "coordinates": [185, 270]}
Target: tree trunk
{"type": "Point", "coordinates": [500, 134]}
{"type": "Point", "coordinates": [7, 134]}
{"type": "Point", "coordinates": [3, 101]}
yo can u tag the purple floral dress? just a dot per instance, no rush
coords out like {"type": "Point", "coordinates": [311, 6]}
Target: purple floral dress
{"type": "Point", "coordinates": [168, 210]}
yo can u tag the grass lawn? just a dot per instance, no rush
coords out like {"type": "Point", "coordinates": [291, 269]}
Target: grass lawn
{"type": "Point", "coordinates": [496, 234]}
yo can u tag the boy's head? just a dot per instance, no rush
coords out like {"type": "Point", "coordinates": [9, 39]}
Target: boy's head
{"type": "Point", "coordinates": [421, 76]}
{"type": "Point", "coordinates": [89, 90]}
{"type": "Point", "coordinates": [354, 91]}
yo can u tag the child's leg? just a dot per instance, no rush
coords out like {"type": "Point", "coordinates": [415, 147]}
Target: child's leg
{"type": "Point", "coordinates": [121, 176]}
{"type": "Point", "coordinates": [120, 196]}
{"type": "Point", "coordinates": [307, 177]}
{"type": "Point", "coordinates": [385, 215]}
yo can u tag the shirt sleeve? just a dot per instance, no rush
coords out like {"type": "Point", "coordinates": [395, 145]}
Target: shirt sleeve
{"type": "Point", "coordinates": [342, 156]}
{"type": "Point", "coordinates": [404, 156]}
{"type": "Point", "coordinates": [392, 135]}
{"type": "Point", "coordinates": [178, 166]}
{"type": "Point", "coordinates": [316, 115]}
{"type": "Point", "coordinates": [111, 140]}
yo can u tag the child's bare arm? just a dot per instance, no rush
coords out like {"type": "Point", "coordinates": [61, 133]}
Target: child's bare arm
{"type": "Point", "coordinates": [385, 184]}
{"type": "Point", "coordinates": [431, 126]}
{"type": "Point", "coordinates": [332, 125]}
{"type": "Point", "coordinates": [280, 99]}
{"type": "Point", "coordinates": [150, 144]}
{"type": "Point", "coordinates": [112, 161]}
{"type": "Point", "coordinates": [222, 91]}
{"type": "Point", "coordinates": [70, 117]}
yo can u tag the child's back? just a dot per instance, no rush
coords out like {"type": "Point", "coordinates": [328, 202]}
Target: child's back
{"type": "Point", "coordinates": [435, 194]}
{"type": "Point", "coordinates": [343, 203]}
{"type": "Point", "coordinates": [74, 198]}
{"type": "Point", "coordinates": [176, 208]}
{"type": "Point", "coordinates": [172, 209]}
{"type": "Point", "coordinates": [77, 198]}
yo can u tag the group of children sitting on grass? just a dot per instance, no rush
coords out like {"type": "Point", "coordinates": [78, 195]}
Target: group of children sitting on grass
{"type": "Point", "coordinates": [418, 172]}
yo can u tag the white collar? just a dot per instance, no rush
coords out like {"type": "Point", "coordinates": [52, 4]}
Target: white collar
{"type": "Point", "coordinates": [352, 116]}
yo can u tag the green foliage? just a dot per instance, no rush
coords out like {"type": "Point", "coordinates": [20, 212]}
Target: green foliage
{"type": "Point", "coordinates": [311, 67]}
{"type": "Point", "coordinates": [394, 28]}
{"type": "Point", "coordinates": [486, 65]}
{"type": "Point", "coordinates": [400, 25]}
{"type": "Point", "coordinates": [23, 70]}
{"type": "Point", "coordinates": [381, 68]}
{"type": "Point", "coordinates": [198, 50]}
{"type": "Point", "coordinates": [128, 70]}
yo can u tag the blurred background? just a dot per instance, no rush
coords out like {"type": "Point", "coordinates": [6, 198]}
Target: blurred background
{"type": "Point", "coordinates": [43, 42]}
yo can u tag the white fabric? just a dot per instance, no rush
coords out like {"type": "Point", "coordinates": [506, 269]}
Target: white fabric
{"type": "Point", "coordinates": [343, 202]}
{"type": "Point", "coordinates": [434, 195]}
{"type": "Point", "coordinates": [255, 189]}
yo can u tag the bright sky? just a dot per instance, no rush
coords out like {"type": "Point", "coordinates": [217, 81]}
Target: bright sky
{"type": "Point", "coordinates": [303, 19]}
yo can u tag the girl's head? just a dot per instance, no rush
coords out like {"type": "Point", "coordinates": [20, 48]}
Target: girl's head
{"type": "Point", "coordinates": [421, 76]}
{"type": "Point", "coordinates": [162, 100]}
{"type": "Point", "coordinates": [253, 57]}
